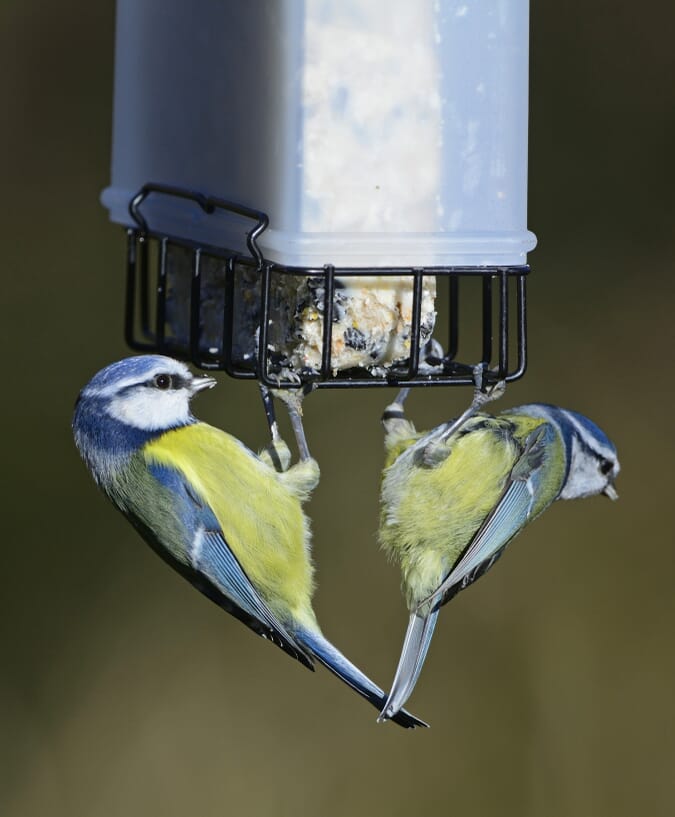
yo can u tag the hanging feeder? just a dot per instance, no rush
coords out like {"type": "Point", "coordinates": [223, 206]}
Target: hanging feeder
{"type": "Point", "coordinates": [325, 192]}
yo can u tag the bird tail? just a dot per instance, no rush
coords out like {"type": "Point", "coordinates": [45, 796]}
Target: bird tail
{"type": "Point", "coordinates": [415, 646]}
{"type": "Point", "coordinates": [339, 665]}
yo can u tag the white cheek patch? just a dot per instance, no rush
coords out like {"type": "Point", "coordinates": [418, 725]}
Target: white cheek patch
{"type": "Point", "coordinates": [584, 479]}
{"type": "Point", "coordinates": [150, 409]}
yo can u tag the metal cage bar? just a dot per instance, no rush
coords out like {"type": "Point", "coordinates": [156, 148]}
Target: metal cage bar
{"type": "Point", "coordinates": [328, 302]}
{"type": "Point", "coordinates": [160, 313]}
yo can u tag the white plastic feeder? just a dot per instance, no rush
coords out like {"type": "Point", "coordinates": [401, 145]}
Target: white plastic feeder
{"type": "Point", "coordinates": [373, 133]}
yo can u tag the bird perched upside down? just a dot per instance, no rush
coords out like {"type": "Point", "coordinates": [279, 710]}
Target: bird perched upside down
{"type": "Point", "coordinates": [219, 514]}
{"type": "Point", "coordinates": [453, 498]}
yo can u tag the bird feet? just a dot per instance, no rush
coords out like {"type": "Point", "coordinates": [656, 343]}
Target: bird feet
{"type": "Point", "coordinates": [480, 398]}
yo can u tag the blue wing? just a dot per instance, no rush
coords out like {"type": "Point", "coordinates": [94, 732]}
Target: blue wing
{"type": "Point", "coordinates": [511, 513]}
{"type": "Point", "coordinates": [214, 569]}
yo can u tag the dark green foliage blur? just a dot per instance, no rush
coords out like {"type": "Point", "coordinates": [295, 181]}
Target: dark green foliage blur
{"type": "Point", "coordinates": [550, 683]}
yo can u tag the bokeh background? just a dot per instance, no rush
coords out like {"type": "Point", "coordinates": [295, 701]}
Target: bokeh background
{"type": "Point", "coordinates": [550, 683]}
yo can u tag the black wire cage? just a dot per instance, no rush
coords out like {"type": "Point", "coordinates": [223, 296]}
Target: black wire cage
{"type": "Point", "coordinates": [202, 317]}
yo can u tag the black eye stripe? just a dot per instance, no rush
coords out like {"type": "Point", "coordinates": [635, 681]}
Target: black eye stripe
{"type": "Point", "coordinates": [165, 381]}
{"type": "Point", "coordinates": [606, 466]}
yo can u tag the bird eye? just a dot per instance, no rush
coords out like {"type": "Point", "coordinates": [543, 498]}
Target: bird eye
{"type": "Point", "coordinates": [606, 467]}
{"type": "Point", "coordinates": [162, 381]}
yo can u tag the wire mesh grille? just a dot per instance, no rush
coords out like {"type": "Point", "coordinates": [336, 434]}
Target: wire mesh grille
{"type": "Point", "coordinates": [221, 309]}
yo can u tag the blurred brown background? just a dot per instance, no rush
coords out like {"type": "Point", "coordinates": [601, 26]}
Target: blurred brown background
{"type": "Point", "coordinates": [550, 683]}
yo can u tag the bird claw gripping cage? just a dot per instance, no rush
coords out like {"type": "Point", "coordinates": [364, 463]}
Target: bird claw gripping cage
{"type": "Point", "coordinates": [224, 310]}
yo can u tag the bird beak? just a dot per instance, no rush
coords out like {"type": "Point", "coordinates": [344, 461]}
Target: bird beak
{"type": "Point", "coordinates": [610, 491]}
{"type": "Point", "coordinates": [200, 383]}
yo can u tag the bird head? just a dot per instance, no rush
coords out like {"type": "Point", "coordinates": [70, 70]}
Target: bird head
{"type": "Point", "coordinates": [148, 392]}
{"type": "Point", "coordinates": [592, 463]}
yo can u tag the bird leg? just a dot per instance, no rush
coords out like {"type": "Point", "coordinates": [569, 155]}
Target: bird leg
{"type": "Point", "coordinates": [293, 399]}
{"type": "Point", "coordinates": [480, 398]}
{"type": "Point", "coordinates": [304, 476]}
{"type": "Point", "coordinates": [395, 410]}
{"type": "Point", "coordinates": [396, 427]}
{"type": "Point", "coordinates": [270, 414]}
{"type": "Point", "coordinates": [277, 454]}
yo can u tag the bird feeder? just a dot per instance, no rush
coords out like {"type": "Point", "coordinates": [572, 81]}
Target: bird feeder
{"type": "Point", "coordinates": [322, 191]}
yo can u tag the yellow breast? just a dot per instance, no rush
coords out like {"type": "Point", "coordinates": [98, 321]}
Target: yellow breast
{"type": "Point", "coordinates": [430, 514]}
{"type": "Point", "coordinates": [261, 520]}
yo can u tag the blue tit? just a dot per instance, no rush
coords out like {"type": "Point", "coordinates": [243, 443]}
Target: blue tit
{"type": "Point", "coordinates": [219, 514]}
{"type": "Point", "coordinates": [453, 498]}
